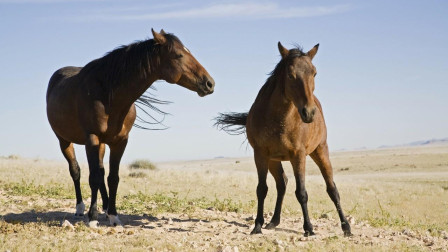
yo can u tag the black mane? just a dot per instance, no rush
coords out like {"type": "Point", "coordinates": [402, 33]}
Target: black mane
{"type": "Point", "coordinates": [125, 63]}
{"type": "Point", "coordinates": [134, 60]}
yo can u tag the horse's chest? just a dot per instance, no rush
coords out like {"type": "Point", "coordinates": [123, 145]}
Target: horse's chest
{"type": "Point", "coordinates": [282, 139]}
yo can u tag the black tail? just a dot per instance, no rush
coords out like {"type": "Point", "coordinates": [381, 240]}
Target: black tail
{"type": "Point", "coordinates": [232, 123]}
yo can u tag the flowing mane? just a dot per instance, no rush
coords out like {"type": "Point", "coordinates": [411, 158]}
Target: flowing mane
{"type": "Point", "coordinates": [125, 63]}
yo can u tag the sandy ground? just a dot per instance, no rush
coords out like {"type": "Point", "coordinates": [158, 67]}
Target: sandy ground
{"type": "Point", "coordinates": [31, 223]}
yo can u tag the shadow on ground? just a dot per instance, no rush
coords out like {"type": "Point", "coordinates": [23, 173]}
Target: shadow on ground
{"type": "Point", "coordinates": [59, 216]}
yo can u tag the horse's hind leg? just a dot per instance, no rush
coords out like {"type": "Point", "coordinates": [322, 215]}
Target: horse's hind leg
{"type": "Point", "coordinates": [321, 157]}
{"type": "Point", "coordinates": [276, 169]}
{"type": "Point", "coordinates": [103, 189]}
{"type": "Point", "coordinates": [298, 165]}
{"type": "Point", "coordinates": [69, 154]}
{"type": "Point", "coordinates": [261, 162]}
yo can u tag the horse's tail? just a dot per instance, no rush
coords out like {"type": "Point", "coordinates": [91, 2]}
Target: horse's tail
{"type": "Point", "coordinates": [232, 123]}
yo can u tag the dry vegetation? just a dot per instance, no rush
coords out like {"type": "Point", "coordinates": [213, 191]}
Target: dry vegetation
{"type": "Point", "coordinates": [397, 199]}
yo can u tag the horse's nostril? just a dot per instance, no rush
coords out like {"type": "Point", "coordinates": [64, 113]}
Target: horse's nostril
{"type": "Point", "coordinates": [304, 112]}
{"type": "Point", "coordinates": [209, 85]}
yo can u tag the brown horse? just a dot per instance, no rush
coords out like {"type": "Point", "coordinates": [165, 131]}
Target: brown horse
{"type": "Point", "coordinates": [286, 123]}
{"type": "Point", "coordinates": [94, 105]}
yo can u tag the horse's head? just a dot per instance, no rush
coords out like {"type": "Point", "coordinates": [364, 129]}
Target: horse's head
{"type": "Point", "coordinates": [299, 80]}
{"type": "Point", "coordinates": [177, 65]}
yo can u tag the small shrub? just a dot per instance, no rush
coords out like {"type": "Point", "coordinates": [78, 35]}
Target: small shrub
{"type": "Point", "coordinates": [143, 164]}
{"type": "Point", "coordinates": [14, 157]}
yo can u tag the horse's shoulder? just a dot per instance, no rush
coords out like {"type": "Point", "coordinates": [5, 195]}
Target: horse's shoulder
{"type": "Point", "coordinates": [317, 102]}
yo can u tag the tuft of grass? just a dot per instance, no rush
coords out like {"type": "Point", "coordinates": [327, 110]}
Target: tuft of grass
{"type": "Point", "coordinates": [143, 164]}
{"type": "Point", "coordinates": [137, 175]}
{"type": "Point", "coordinates": [140, 203]}
{"type": "Point", "coordinates": [54, 190]}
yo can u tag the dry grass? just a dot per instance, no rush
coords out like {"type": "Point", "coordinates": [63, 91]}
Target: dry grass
{"type": "Point", "coordinates": [391, 189]}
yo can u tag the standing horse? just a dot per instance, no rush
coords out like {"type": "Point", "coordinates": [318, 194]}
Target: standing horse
{"type": "Point", "coordinates": [94, 105]}
{"type": "Point", "coordinates": [286, 123]}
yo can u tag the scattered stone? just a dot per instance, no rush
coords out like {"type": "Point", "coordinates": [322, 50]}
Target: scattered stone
{"type": "Point", "coordinates": [93, 224]}
{"type": "Point", "coordinates": [351, 220]}
{"type": "Point", "coordinates": [252, 217]}
{"type": "Point", "coordinates": [428, 241]}
{"type": "Point", "coordinates": [409, 233]}
{"type": "Point", "coordinates": [67, 225]}
{"type": "Point", "coordinates": [119, 229]}
{"type": "Point", "coordinates": [325, 216]}
{"type": "Point", "coordinates": [111, 231]}
{"type": "Point", "coordinates": [228, 249]}
{"type": "Point", "coordinates": [278, 242]}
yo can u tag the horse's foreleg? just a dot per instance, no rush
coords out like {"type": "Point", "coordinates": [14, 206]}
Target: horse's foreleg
{"type": "Point", "coordinates": [321, 158]}
{"type": "Point", "coordinates": [75, 173]}
{"type": "Point", "coordinates": [298, 164]}
{"type": "Point", "coordinates": [103, 189]}
{"type": "Point", "coordinates": [261, 162]}
{"type": "Point", "coordinates": [95, 180]}
{"type": "Point", "coordinates": [276, 169]}
{"type": "Point", "coordinates": [116, 152]}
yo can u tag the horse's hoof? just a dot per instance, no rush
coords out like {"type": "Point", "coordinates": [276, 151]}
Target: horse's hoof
{"type": "Point", "coordinates": [114, 220]}
{"type": "Point", "coordinates": [271, 225]}
{"type": "Point", "coordinates": [308, 233]}
{"type": "Point", "coordinates": [348, 234]}
{"type": "Point", "coordinates": [257, 230]}
{"type": "Point", "coordinates": [93, 224]}
{"type": "Point", "coordinates": [80, 208]}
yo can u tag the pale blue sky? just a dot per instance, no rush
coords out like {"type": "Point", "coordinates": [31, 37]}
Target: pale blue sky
{"type": "Point", "coordinates": [381, 65]}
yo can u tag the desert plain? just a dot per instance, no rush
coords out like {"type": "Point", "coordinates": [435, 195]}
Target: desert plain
{"type": "Point", "coordinates": [396, 199]}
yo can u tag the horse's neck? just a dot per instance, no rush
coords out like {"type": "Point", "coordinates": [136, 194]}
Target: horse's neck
{"type": "Point", "coordinates": [125, 94]}
{"type": "Point", "coordinates": [278, 105]}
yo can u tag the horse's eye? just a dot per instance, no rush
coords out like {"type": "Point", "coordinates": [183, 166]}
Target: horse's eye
{"type": "Point", "coordinates": [178, 56]}
{"type": "Point", "coordinates": [290, 76]}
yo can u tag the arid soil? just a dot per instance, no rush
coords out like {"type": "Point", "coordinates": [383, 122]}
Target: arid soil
{"type": "Point", "coordinates": [32, 222]}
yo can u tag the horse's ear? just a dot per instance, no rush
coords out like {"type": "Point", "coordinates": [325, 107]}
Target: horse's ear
{"type": "Point", "coordinates": [159, 38]}
{"type": "Point", "coordinates": [311, 53]}
{"type": "Point", "coordinates": [283, 51]}
{"type": "Point", "coordinates": [162, 32]}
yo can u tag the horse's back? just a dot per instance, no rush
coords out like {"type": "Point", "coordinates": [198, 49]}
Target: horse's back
{"type": "Point", "coordinates": [60, 76]}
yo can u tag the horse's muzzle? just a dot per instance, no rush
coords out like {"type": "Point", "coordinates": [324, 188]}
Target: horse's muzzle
{"type": "Point", "coordinates": [206, 87]}
{"type": "Point", "coordinates": [307, 114]}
